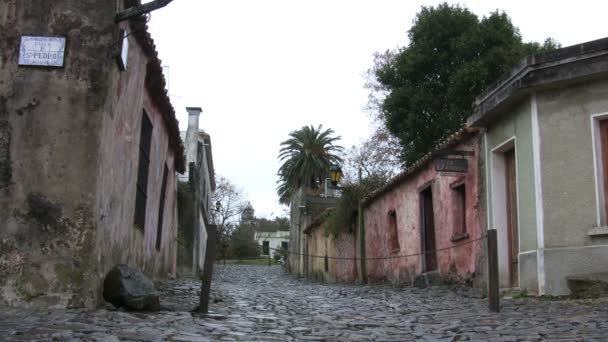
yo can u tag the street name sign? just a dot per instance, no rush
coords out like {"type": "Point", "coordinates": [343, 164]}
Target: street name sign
{"type": "Point", "coordinates": [42, 51]}
{"type": "Point", "coordinates": [451, 165]}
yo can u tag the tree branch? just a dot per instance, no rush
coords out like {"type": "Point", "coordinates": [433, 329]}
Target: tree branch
{"type": "Point", "coordinates": [141, 9]}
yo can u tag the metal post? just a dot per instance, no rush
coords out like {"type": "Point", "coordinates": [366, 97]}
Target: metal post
{"type": "Point", "coordinates": [208, 268]}
{"type": "Point", "coordinates": [269, 255]}
{"type": "Point", "coordinates": [493, 293]}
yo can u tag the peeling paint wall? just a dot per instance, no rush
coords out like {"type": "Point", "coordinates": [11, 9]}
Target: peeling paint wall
{"type": "Point", "coordinates": [463, 264]}
{"type": "Point", "coordinates": [341, 247]}
{"type": "Point", "coordinates": [68, 153]}
{"type": "Point", "coordinates": [118, 240]}
{"type": "Point", "coordinates": [49, 124]}
{"type": "Point", "coordinates": [305, 206]}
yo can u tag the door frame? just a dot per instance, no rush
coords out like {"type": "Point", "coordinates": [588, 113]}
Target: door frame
{"type": "Point", "coordinates": [426, 187]}
{"type": "Point", "coordinates": [499, 208]}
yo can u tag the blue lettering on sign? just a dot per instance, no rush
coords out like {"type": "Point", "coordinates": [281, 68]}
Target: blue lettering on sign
{"type": "Point", "coordinates": [43, 51]}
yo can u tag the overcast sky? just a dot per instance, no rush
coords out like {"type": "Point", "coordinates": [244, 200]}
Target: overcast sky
{"type": "Point", "coordinates": [261, 69]}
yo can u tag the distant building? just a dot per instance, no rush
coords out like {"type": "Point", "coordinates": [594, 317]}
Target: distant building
{"type": "Point", "coordinates": [248, 214]}
{"type": "Point", "coordinates": [88, 152]}
{"type": "Point", "coordinates": [196, 188]}
{"type": "Point", "coordinates": [271, 242]}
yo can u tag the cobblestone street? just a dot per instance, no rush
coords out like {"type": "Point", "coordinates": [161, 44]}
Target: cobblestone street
{"type": "Point", "coordinates": [259, 303]}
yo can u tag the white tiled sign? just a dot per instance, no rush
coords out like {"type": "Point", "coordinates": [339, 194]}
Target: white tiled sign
{"type": "Point", "coordinates": [45, 51]}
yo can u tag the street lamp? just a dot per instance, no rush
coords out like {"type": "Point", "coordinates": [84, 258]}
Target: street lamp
{"type": "Point", "coordinates": [335, 174]}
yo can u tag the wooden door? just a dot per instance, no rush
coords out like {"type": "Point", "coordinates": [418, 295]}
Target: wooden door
{"type": "Point", "coordinates": [428, 230]}
{"type": "Point", "coordinates": [512, 228]}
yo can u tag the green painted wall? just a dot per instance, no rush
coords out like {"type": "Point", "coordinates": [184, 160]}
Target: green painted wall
{"type": "Point", "coordinates": [517, 123]}
{"type": "Point", "coordinates": [567, 171]}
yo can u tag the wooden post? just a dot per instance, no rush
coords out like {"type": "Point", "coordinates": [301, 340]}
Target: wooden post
{"type": "Point", "coordinates": [362, 243]}
{"type": "Point", "coordinates": [208, 268]}
{"type": "Point", "coordinates": [361, 226]}
{"type": "Point", "coordinates": [493, 293]}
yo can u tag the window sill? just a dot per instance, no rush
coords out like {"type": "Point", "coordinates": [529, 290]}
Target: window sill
{"type": "Point", "coordinates": [598, 231]}
{"type": "Point", "coordinates": [458, 237]}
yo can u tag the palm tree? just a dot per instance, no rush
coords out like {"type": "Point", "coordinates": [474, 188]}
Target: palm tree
{"type": "Point", "coordinates": [306, 156]}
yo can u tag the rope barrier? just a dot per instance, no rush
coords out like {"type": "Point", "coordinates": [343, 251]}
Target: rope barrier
{"type": "Point", "coordinates": [282, 250]}
{"type": "Point", "coordinates": [387, 257]}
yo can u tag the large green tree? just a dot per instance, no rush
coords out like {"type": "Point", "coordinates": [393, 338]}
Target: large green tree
{"type": "Point", "coordinates": [426, 89]}
{"type": "Point", "coordinates": [306, 158]}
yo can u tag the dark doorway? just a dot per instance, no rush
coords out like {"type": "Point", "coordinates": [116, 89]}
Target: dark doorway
{"type": "Point", "coordinates": [428, 230]}
{"type": "Point", "coordinates": [512, 228]}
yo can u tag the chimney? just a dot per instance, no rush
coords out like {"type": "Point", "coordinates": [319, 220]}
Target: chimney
{"type": "Point", "coordinates": [192, 134]}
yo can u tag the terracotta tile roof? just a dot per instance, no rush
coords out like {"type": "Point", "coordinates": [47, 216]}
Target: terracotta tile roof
{"type": "Point", "coordinates": [399, 179]}
{"type": "Point", "coordinates": [156, 85]}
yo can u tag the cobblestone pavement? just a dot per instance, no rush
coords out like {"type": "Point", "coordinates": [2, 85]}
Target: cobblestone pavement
{"type": "Point", "coordinates": [260, 303]}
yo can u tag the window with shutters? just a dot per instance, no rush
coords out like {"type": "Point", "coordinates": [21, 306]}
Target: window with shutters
{"type": "Point", "coordinates": [161, 208]}
{"type": "Point", "coordinates": [143, 167]}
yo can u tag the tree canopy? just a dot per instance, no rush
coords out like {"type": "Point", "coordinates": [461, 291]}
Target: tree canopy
{"type": "Point", "coordinates": [306, 158]}
{"type": "Point", "coordinates": [426, 90]}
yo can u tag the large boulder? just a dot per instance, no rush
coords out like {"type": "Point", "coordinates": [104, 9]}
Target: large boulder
{"type": "Point", "coordinates": [129, 287]}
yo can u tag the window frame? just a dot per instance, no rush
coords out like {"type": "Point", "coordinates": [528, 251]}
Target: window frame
{"type": "Point", "coordinates": [393, 232]}
{"type": "Point", "coordinates": [459, 210]}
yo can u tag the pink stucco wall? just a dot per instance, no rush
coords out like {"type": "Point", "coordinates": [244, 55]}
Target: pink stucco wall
{"type": "Point", "coordinates": [464, 262]}
{"type": "Point", "coordinates": [118, 240]}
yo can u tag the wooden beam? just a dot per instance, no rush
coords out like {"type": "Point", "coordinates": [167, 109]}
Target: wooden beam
{"type": "Point", "coordinates": [141, 9]}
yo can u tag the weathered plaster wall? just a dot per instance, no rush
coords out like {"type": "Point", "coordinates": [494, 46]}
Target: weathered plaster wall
{"type": "Point", "coordinates": [119, 241]}
{"type": "Point", "coordinates": [568, 175]}
{"type": "Point", "coordinates": [49, 124]}
{"type": "Point", "coordinates": [340, 246]}
{"type": "Point", "coordinates": [304, 208]}
{"type": "Point", "coordinates": [185, 221]}
{"type": "Point", "coordinates": [295, 234]}
{"type": "Point", "coordinates": [461, 264]}
{"type": "Point", "coordinates": [569, 182]}
{"type": "Point", "coordinates": [68, 152]}
{"type": "Point", "coordinates": [317, 248]}
{"type": "Point", "coordinates": [343, 246]}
